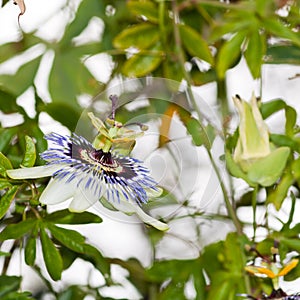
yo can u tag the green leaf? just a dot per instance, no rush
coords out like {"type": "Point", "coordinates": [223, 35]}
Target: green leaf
{"type": "Point", "coordinates": [6, 200]}
{"type": "Point", "coordinates": [195, 44]}
{"type": "Point", "coordinates": [174, 290]}
{"type": "Point", "coordinates": [18, 230]}
{"type": "Point", "coordinates": [287, 54]}
{"type": "Point", "coordinates": [271, 107]}
{"type": "Point", "coordinates": [200, 284]}
{"type": "Point", "coordinates": [52, 257]}
{"type": "Point", "coordinates": [8, 102]}
{"type": "Point", "coordinates": [84, 13]}
{"type": "Point", "coordinates": [4, 2]}
{"type": "Point", "coordinates": [5, 162]}
{"type": "Point", "coordinates": [41, 143]}
{"type": "Point", "coordinates": [9, 284]}
{"type": "Point", "coordinates": [162, 270]}
{"type": "Point", "coordinates": [141, 36]}
{"type": "Point", "coordinates": [166, 198]}
{"type": "Point", "coordinates": [278, 194]}
{"type": "Point", "coordinates": [222, 289]}
{"type": "Point", "coordinates": [292, 244]}
{"type": "Point", "coordinates": [279, 29]}
{"type": "Point", "coordinates": [254, 53]}
{"type": "Point", "coordinates": [11, 49]}
{"type": "Point", "coordinates": [146, 9]}
{"type": "Point", "coordinates": [194, 128]}
{"type": "Point", "coordinates": [69, 238]}
{"type": "Point", "coordinates": [6, 135]}
{"type": "Point", "coordinates": [293, 274]}
{"type": "Point", "coordinates": [63, 113]}
{"type": "Point", "coordinates": [30, 153]}
{"type": "Point", "coordinates": [23, 79]}
{"type": "Point", "coordinates": [295, 170]}
{"type": "Point", "coordinates": [30, 251]}
{"type": "Point", "coordinates": [235, 170]}
{"type": "Point", "coordinates": [172, 70]}
{"type": "Point", "coordinates": [67, 217]}
{"type": "Point", "coordinates": [142, 64]}
{"type": "Point", "coordinates": [229, 54]}
{"type": "Point", "coordinates": [68, 256]}
{"type": "Point", "coordinates": [266, 171]}
{"type": "Point", "coordinates": [93, 255]}
{"type": "Point", "coordinates": [284, 140]}
{"type": "Point", "coordinates": [7, 254]}
{"type": "Point", "coordinates": [18, 296]}
{"type": "Point", "coordinates": [67, 78]}
{"type": "Point", "coordinates": [291, 118]}
{"type": "Point", "coordinates": [73, 293]}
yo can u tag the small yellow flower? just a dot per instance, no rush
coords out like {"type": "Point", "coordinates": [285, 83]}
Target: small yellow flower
{"type": "Point", "coordinates": [271, 271]}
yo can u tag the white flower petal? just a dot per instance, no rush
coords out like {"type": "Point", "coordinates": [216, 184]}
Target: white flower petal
{"type": "Point", "coordinates": [57, 191]}
{"type": "Point", "coordinates": [34, 172]}
{"type": "Point", "coordinates": [130, 208]}
{"type": "Point", "coordinates": [152, 193]}
{"type": "Point", "coordinates": [84, 197]}
{"type": "Point", "coordinates": [149, 220]}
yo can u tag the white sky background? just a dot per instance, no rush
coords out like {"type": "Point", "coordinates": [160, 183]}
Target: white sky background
{"type": "Point", "coordinates": [121, 239]}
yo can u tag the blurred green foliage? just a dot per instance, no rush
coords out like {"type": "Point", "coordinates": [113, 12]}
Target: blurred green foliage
{"type": "Point", "coordinates": [167, 39]}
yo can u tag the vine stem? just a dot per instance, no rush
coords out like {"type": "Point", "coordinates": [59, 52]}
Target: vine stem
{"type": "Point", "coordinates": [254, 201]}
{"type": "Point", "coordinates": [181, 59]}
{"type": "Point", "coordinates": [7, 259]}
{"type": "Point", "coordinates": [45, 281]}
{"type": "Point", "coordinates": [229, 204]}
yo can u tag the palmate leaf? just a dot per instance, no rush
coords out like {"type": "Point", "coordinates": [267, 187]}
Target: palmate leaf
{"type": "Point", "coordinates": [24, 77]}
{"type": "Point", "coordinates": [86, 10]}
{"type": "Point", "coordinates": [63, 113]}
{"type": "Point", "coordinates": [69, 77]}
{"type": "Point", "coordinates": [8, 102]}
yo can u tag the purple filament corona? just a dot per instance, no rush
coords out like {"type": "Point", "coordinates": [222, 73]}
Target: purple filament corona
{"type": "Point", "coordinates": [98, 171]}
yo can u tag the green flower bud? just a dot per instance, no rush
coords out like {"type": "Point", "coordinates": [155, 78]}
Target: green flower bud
{"type": "Point", "coordinates": [254, 159]}
{"type": "Point", "coordinates": [253, 142]}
